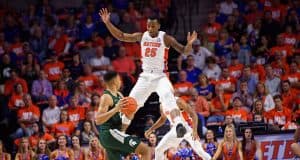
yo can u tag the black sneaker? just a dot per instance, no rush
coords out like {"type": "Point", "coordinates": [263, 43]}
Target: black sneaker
{"type": "Point", "coordinates": [180, 130]}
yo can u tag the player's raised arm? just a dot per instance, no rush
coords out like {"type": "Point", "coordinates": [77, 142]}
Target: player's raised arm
{"type": "Point", "coordinates": [171, 41]}
{"type": "Point", "coordinates": [121, 36]}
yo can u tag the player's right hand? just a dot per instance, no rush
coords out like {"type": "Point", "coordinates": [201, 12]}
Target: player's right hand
{"type": "Point", "coordinates": [148, 132]}
{"type": "Point", "coordinates": [105, 15]}
{"type": "Point", "coordinates": [122, 102]}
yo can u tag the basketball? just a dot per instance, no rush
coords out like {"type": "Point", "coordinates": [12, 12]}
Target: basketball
{"type": "Point", "coordinates": [130, 107]}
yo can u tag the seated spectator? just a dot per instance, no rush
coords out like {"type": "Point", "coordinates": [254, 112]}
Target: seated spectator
{"type": "Point", "coordinates": [27, 115]}
{"type": "Point", "coordinates": [204, 88]}
{"type": "Point", "coordinates": [62, 93]}
{"type": "Point", "coordinates": [235, 68]}
{"type": "Point", "coordinates": [212, 70]}
{"type": "Point", "coordinates": [280, 115]}
{"type": "Point", "coordinates": [64, 126]}
{"type": "Point", "coordinates": [95, 150]}
{"type": "Point", "coordinates": [110, 50]}
{"type": "Point", "coordinates": [280, 67]}
{"type": "Point", "coordinates": [53, 68]}
{"type": "Point", "coordinates": [123, 63]}
{"type": "Point", "coordinates": [38, 42]}
{"type": "Point", "coordinates": [86, 134]}
{"type": "Point", "coordinates": [24, 150]}
{"type": "Point", "coordinates": [86, 29]}
{"type": "Point", "coordinates": [127, 25]}
{"type": "Point", "coordinates": [69, 81]}
{"type": "Point", "coordinates": [210, 144]}
{"type": "Point", "coordinates": [91, 81]}
{"type": "Point", "coordinates": [278, 10]}
{"type": "Point", "coordinates": [97, 40]}
{"type": "Point", "coordinates": [218, 106]}
{"type": "Point", "coordinates": [77, 150]}
{"type": "Point", "coordinates": [250, 78]}
{"type": "Point", "coordinates": [42, 151]}
{"type": "Point", "coordinates": [41, 88]}
{"type": "Point", "coordinates": [242, 52]}
{"type": "Point", "coordinates": [191, 70]}
{"type": "Point", "coordinates": [183, 87]}
{"type": "Point", "coordinates": [244, 95]}
{"type": "Point", "coordinates": [6, 66]}
{"type": "Point", "coordinates": [152, 143]}
{"type": "Point", "coordinates": [237, 112]}
{"type": "Point", "coordinates": [38, 133]}
{"type": "Point", "coordinates": [51, 115]}
{"type": "Point", "coordinates": [83, 94]}
{"type": "Point", "coordinates": [258, 109]}
{"type": "Point", "coordinates": [253, 12]}
{"type": "Point", "coordinates": [59, 42]}
{"type": "Point", "coordinates": [76, 67]}
{"type": "Point", "coordinates": [12, 81]}
{"type": "Point", "coordinates": [62, 151]}
{"type": "Point", "coordinates": [226, 81]}
{"type": "Point", "coordinates": [289, 95]}
{"type": "Point", "coordinates": [17, 48]}
{"type": "Point", "coordinates": [99, 63]}
{"type": "Point", "coordinates": [30, 68]}
{"type": "Point", "coordinates": [261, 49]}
{"type": "Point", "coordinates": [211, 30]}
{"type": "Point", "coordinates": [223, 46]}
{"type": "Point", "coordinates": [272, 82]}
{"type": "Point", "coordinates": [263, 94]}
{"type": "Point", "coordinates": [234, 24]}
{"type": "Point", "coordinates": [290, 39]}
{"type": "Point", "coordinates": [4, 155]}
{"type": "Point", "coordinates": [293, 75]}
{"type": "Point", "coordinates": [16, 99]}
{"type": "Point", "coordinates": [227, 6]}
{"type": "Point", "coordinates": [284, 50]}
{"type": "Point", "coordinates": [269, 27]}
{"type": "Point", "coordinates": [76, 112]}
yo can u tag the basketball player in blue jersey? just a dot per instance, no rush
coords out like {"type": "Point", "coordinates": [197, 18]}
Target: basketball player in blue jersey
{"type": "Point", "coordinates": [154, 53]}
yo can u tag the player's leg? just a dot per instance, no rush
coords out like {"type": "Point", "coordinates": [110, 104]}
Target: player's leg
{"type": "Point", "coordinates": [166, 97]}
{"type": "Point", "coordinates": [143, 150]}
{"type": "Point", "coordinates": [142, 89]}
{"type": "Point", "coordinates": [196, 145]}
{"type": "Point", "coordinates": [296, 149]}
{"type": "Point", "coordinates": [169, 140]}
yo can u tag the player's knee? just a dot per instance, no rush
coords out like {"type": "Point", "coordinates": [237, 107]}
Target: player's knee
{"type": "Point", "coordinates": [295, 146]}
{"type": "Point", "coordinates": [143, 149]}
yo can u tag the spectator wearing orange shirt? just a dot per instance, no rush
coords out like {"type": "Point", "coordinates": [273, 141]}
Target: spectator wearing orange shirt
{"type": "Point", "coordinates": [38, 133]}
{"type": "Point", "coordinates": [199, 103]}
{"type": "Point", "coordinates": [183, 87]}
{"type": "Point", "coordinates": [272, 82]}
{"type": "Point", "coordinates": [218, 106]}
{"type": "Point", "coordinates": [76, 113]}
{"type": "Point", "coordinates": [59, 42]}
{"type": "Point", "coordinates": [10, 83]}
{"type": "Point", "coordinates": [226, 81]}
{"type": "Point", "coordinates": [253, 13]}
{"type": "Point", "coordinates": [90, 80]}
{"type": "Point", "coordinates": [54, 68]}
{"type": "Point", "coordinates": [282, 48]}
{"type": "Point", "coordinates": [290, 39]}
{"type": "Point", "coordinates": [26, 117]}
{"type": "Point", "coordinates": [279, 116]}
{"type": "Point", "coordinates": [237, 112]}
{"type": "Point", "coordinates": [64, 127]}
{"type": "Point", "coordinates": [279, 65]}
{"type": "Point", "coordinates": [293, 75]}
{"type": "Point", "coordinates": [17, 47]}
{"type": "Point", "coordinates": [288, 95]}
{"type": "Point", "coordinates": [278, 10]}
{"type": "Point", "coordinates": [211, 30]}
{"type": "Point", "coordinates": [16, 100]}
{"type": "Point", "coordinates": [123, 63]}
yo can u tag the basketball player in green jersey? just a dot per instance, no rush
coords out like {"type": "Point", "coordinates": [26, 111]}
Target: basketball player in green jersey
{"type": "Point", "coordinates": [109, 117]}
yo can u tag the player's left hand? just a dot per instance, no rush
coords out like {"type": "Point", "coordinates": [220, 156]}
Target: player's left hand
{"type": "Point", "coordinates": [192, 37]}
{"type": "Point", "coordinates": [195, 135]}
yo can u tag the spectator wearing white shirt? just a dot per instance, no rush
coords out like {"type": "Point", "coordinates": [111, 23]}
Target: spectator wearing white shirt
{"type": "Point", "coordinates": [212, 70]}
{"type": "Point", "coordinates": [199, 53]}
{"type": "Point", "coordinates": [51, 115]}
{"type": "Point", "coordinates": [100, 64]}
{"type": "Point", "coordinates": [227, 7]}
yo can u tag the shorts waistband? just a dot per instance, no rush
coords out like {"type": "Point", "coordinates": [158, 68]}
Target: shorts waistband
{"type": "Point", "coordinates": [155, 71]}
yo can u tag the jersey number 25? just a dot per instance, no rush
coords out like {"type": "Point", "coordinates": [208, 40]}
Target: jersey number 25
{"type": "Point", "coordinates": [150, 52]}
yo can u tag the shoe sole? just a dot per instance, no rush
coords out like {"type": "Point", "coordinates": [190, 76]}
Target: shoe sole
{"type": "Point", "coordinates": [180, 130]}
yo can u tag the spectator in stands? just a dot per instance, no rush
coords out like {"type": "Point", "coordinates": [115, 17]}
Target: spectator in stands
{"type": "Point", "coordinates": [152, 142]}
{"type": "Point", "coordinates": [204, 88]}
{"type": "Point", "coordinates": [250, 147]}
{"type": "Point", "coordinates": [227, 6]}
{"type": "Point", "coordinates": [292, 18]}
{"type": "Point", "coordinates": [41, 88]}
{"type": "Point", "coordinates": [83, 94]}
{"type": "Point", "coordinates": [99, 63]}
{"type": "Point", "coordinates": [226, 81]}
{"type": "Point", "coordinates": [42, 152]}
{"type": "Point", "coordinates": [77, 150]}
{"type": "Point", "coordinates": [211, 30]}
{"type": "Point", "coordinates": [293, 75]}
{"type": "Point", "coordinates": [3, 154]}
{"type": "Point", "coordinates": [123, 63]}
{"type": "Point", "coordinates": [233, 26]}
{"type": "Point", "coordinates": [272, 82]}
{"type": "Point", "coordinates": [192, 71]}
{"type": "Point", "coordinates": [6, 66]}
{"type": "Point", "coordinates": [218, 106]}
{"type": "Point", "coordinates": [110, 50]}
{"type": "Point", "coordinates": [290, 39]}
{"type": "Point", "coordinates": [95, 150]}
{"type": "Point", "coordinates": [51, 115]}
{"type": "Point", "coordinates": [86, 30]}
{"type": "Point", "coordinates": [279, 65]}
{"type": "Point", "coordinates": [27, 115]}
{"type": "Point", "coordinates": [262, 93]}
{"type": "Point", "coordinates": [86, 134]}
{"type": "Point", "coordinates": [38, 42]}
{"type": "Point", "coordinates": [212, 70]}
{"type": "Point", "coordinates": [127, 25]}
{"type": "Point", "coordinates": [62, 93]}
{"type": "Point", "coordinates": [39, 133]}
{"type": "Point", "coordinates": [229, 146]}
{"type": "Point", "coordinates": [91, 81]}
{"type": "Point", "coordinates": [24, 151]}
{"type": "Point", "coordinates": [183, 87]}
{"type": "Point", "coordinates": [296, 146]}
{"type": "Point", "coordinates": [53, 68]}
{"type": "Point", "coordinates": [62, 151]}
{"type": "Point", "coordinates": [238, 113]}
{"type": "Point", "coordinates": [223, 46]}
{"type": "Point", "coordinates": [235, 68]}
{"type": "Point", "coordinates": [258, 109]}
{"type": "Point", "coordinates": [244, 95]}
{"type": "Point", "coordinates": [30, 68]}
{"type": "Point", "coordinates": [262, 49]}
{"type": "Point", "coordinates": [64, 127]}
{"type": "Point", "coordinates": [269, 27]}
{"type": "Point", "coordinates": [250, 78]}
{"type": "Point", "coordinates": [76, 112]}
{"type": "Point", "coordinates": [59, 42]}
{"type": "Point", "coordinates": [75, 68]}
{"type": "Point", "coordinates": [253, 12]}
{"type": "Point", "coordinates": [12, 81]}
{"type": "Point", "coordinates": [280, 48]}
{"type": "Point", "coordinates": [280, 115]}
{"type": "Point", "coordinates": [16, 99]}
{"type": "Point", "coordinates": [210, 143]}
{"type": "Point", "coordinates": [289, 95]}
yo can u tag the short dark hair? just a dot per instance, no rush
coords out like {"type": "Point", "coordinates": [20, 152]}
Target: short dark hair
{"type": "Point", "coordinates": [109, 76]}
{"type": "Point", "coordinates": [277, 97]}
{"type": "Point", "coordinates": [153, 18]}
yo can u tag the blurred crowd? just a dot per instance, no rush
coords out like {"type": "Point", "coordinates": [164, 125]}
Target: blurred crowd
{"type": "Point", "coordinates": [243, 68]}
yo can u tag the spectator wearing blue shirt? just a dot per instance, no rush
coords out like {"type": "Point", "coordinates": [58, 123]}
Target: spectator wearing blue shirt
{"type": "Point", "coordinates": [203, 87]}
{"type": "Point", "coordinates": [191, 70]}
{"type": "Point", "coordinates": [250, 78]}
{"type": "Point", "coordinates": [87, 28]}
{"type": "Point", "coordinates": [223, 46]}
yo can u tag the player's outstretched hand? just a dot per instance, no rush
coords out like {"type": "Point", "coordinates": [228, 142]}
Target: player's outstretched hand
{"type": "Point", "coordinates": [192, 37]}
{"type": "Point", "coordinates": [147, 133]}
{"type": "Point", "coordinates": [104, 14]}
